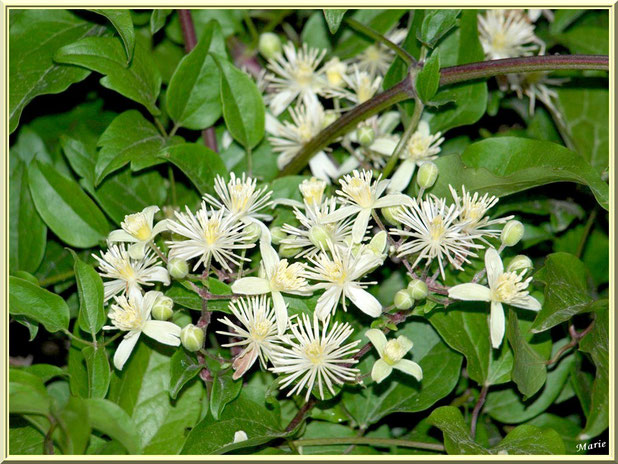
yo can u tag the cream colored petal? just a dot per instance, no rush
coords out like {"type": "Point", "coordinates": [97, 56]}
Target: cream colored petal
{"type": "Point", "coordinates": [395, 199]}
{"type": "Point", "coordinates": [239, 436]}
{"type": "Point", "coordinates": [322, 167]}
{"type": "Point", "coordinates": [360, 225]}
{"type": "Point", "coordinates": [161, 226]}
{"type": "Point", "coordinates": [136, 251]}
{"type": "Point", "coordinates": [470, 292]}
{"type": "Point", "coordinates": [405, 343]}
{"type": "Point", "coordinates": [164, 332]}
{"type": "Point", "coordinates": [364, 300]}
{"type": "Point", "coordinates": [327, 302]}
{"type": "Point", "coordinates": [270, 258]}
{"type": "Point", "coordinates": [402, 176]}
{"type": "Point", "coordinates": [341, 213]}
{"type": "Point", "coordinates": [124, 349]}
{"type": "Point", "coordinates": [158, 274]}
{"type": "Point", "coordinates": [380, 371]}
{"type": "Point", "coordinates": [149, 212]}
{"type": "Point", "coordinates": [281, 101]}
{"type": "Point", "coordinates": [384, 145]}
{"type": "Point", "coordinates": [377, 339]}
{"type": "Point", "coordinates": [251, 286]}
{"type": "Point", "coordinates": [120, 235]}
{"type": "Point", "coordinates": [496, 324]}
{"type": "Point", "coordinates": [281, 312]}
{"type": "Point", "coordinates": [528, 302]}
{"type": "Point", "coordinates": [410, 368]}
{"type": "Point", "coordinates": [493, 265]}
{"type": "Point", "coordinates": [149, 301]}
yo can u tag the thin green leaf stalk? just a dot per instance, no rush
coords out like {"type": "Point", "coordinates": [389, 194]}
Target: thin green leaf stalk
{"type": "Point", "coordinates": [369, 441]}
{"type": "Point", "coordinates": [401, 52]}
{"type": "Point", "coordinates": [403, 142]}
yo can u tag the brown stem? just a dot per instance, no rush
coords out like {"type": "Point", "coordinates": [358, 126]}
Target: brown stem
{"type": "Point", "coordinates": [477, 410]}
{"type": "Point", "coordinates": [300, 415]}
{"type": "Point", "coordinates": [575, 338]}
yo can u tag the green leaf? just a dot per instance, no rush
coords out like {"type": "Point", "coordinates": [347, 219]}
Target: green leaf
{"type": "Point", "coordinates": [121, 19]}
{"type": "Point", "coordinates": [428, 79]}
{"type": "Point", "coordinates": [566, 290]}
{"type": "Point", "coordinates": [24, 438]}
{"type": "Point", "coordinates": [587, 40]}
{"type": "Point", "coordinates": [65, 208]}
{"type": "Point", "coordinates": [596, 344]}
{"type": "Point", "coordinates": [469, 100]}
{"type": "Point", "coordinates": [563, 19]}
{"type": "Point", "coordinates": [158, 19]}
{"type": "Point", "coordinates": [99, 374]}
{"type": "Point", "coordinates": [192, 97]}
{"type": "Point", "coordinates": [130, 137]}
{"type": "Point", "coordinates": [508, 407]}
{"type": "Point", "coordinates": [73, 429]}
{"type": "Point", "coordinates": [529, 368]}
{"type": "Point", "coordinates": [399, 68]}
{"type": "Point", "coordinates": [333, 18]}
{"type": "Point", "coordinates": [585, 123]}
{"type": "Point", "coordinates": [27, 231]}
{"type": "Point", "coordinates": [567, 429]}
{"type": "Point", "coordinates": [90, 290]}
{"type": "Point", "coordinates": [142, 390]}
{"type": "Point", "coordinates": [436, 24]}
{"type": "Point", "coordinates": [27, 394]}
{"type": "Point", "coordinates": [224, 390]}
{"type": "Point", "coordinates": [140, 81]}
{"type": "Point", "coordinates": [45, 372]}
{"type": "Point", "coordinates": [400, 393]}
{"type": "Point", "coordinates": [198, 162]}
{"type": "Point", "coordinates": [504, 165]}
{"type": "Point", "coordinates": [35, 35]}
{"type": "Point", "coordinates": [183, 368]}
{"type": "Point", "coordinates": [243, 107]}
{"type": "Point", "coordinates": [28, 299]}
{"type": "Point", "coordinates": [457, 439]}
{"type": "Point", "coordinates": [315, 32]}
{"type": "Point", "coordinates": [113, 421]}
{"type": "Point", "coordinates": [244, 413]}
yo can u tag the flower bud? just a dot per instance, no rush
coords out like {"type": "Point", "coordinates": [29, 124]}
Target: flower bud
{"type": "Point", "coordinates": [162, 309]}
{"type": "Point", "coordinates": [329, 117]}
{"type": "Point", "coordinates": [277, 235]}
{"type": "Point", "coordinates": [335, 71]}
{"type": "Point", "coordinates": [269, 45]}
{"type": "Point", "coordinates": [390, 214]}
{"type": "Point", "coordinates": [427, 175]}
{"type": "Point", "coordinates": [178, 268]}
{"type": "Point", "coordinates": [319, 236]}
{"type": "Point", "coordinates": [518, 263]}
{"type": "Point", "coordinates": [512, 233]}
{"type": "Point", "coordinates": [403, 300]}
{"type": "Point", "coordinates": [378, 243]}
{"type": "Point", "coordinates": [192, 337]}
{"type": "Point", "coordinates": [366, 135]}
{"type": "Point", "coordinates": [253, 232]}
{"type": "Point", "coordinates": [418, 289]}
{"type": "Point", "coordinates": [287, 251]}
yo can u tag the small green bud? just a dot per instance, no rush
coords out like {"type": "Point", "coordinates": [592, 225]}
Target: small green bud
{"type": "Point", "coordinates": [366, 135]}
{"type": "Point", "coordinates": [269, 45]}
{"type": "Point", "coordinates": [403, 300]}
{"type": "Point", "coordinates": [192, 337]}
{"type": "Point", "coordinates": [319, 236]}
{"type": "Point", "coordinates": [418, 289]}
{"type": "Point", "coordinates": [162, 310]}
{"type": "Point", "coordinates": [277, 235]}
{"type": "Point", "coordinates": [378, 243]}
{"type": "Point", "coordinates": [287, 251]}
{"type": "Point", "coordinates": [518, 263]}
{"type": "Point", "coordinates": [390, 214]}
{"type": "Point", "coordinates": [178, 268]}
{"type": "Point", "coordinates": [427, 175]}
{"type": "Point", "coordinates": [512, 233]}
{"type": "Point", "coordinates": [253, 232]}
{"type": "Point", "coordinates": [329, 118]}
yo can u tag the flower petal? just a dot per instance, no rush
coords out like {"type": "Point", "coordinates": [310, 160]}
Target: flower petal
{"type": "Point", "coordinates": [322, 167]}
{"type": "Point", "coordinates": [364, 300]}
{"type": "Point", "coordinates": [158, 274]}
{"type": "Point", "coordinates": [380, 371]}
{"type": "Point", "coordinates": [377, 339]}
{"type": "Point", "coordinates": [160, 227]}
{"type": "Point", "coordinates": [410, 368]}
{"type": "Point", "coordinates": [164, 332]}
{"type": "Point", "coordinates": [120, 235]}
{"type": "Point", "coordinates": [402, 176]}
{"type": "Point", "coordinates": [124, 349]}
{"type": "Point", "coordinates": [270, 258]}
{"type": "Point", "coordinates": [470, 292]}
{"type": "Point", "coordinates": [395, 199]}
{"type": "Point", "coordinates": [496, 324]}
{"type": "Point", "coordinates": [327, 302]}
{"type": "Point", "coordinates": [405, 343]}
{"type": "Point", "coordinates": [384, 145]}
{"type": "Point", "coordinates": [527, 302]}
{"type": "Point", "coordinates": [493, 265]}
{"type": "Point", "coordinates": [281, 312]}
{"type": "Point", "coordinates": [149, 212]}
{"type": "Point", "coordinates": [360, 225]}
{"type": "Point", "coordinates": [136, 251]}
{"type": "Point", "coordinates": [341, 213]}
{"type": "Point", "coordinates": [251, 286]}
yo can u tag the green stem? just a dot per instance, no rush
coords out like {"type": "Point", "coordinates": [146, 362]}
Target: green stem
{"type": "Point", "coordinates": [451, 75]}
{"type": "Point", "coordinates": [249, 161]}
{"type": "Point", "coordinates": [403, 54]}
{"type": "Point", "coordinates": [159, 125]}
{"type": "Point", "coordinates": [119, 334]}
{"type": "Point", "coordinates": [57, 278]}
{"type": "Point", "coordinates": [170, 174]}
{"type": "Point", "coordinates": [369, 441]}
{"type": "Point", "coordinates": [252, 30]}
{"type": "Point", "coordinates": [587, 228]}
{"type": "Point", "coordinates": [77, 339]}
{"type": "Point", "coordinates": [416, 117]}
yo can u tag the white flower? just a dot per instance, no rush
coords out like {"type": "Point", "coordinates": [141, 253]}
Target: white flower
{"type": "Point", "coordinates": [279, 277]}
{"type": "Point", "coordinates": [377, 58]}
{"type": "Point", "coordinates": [435, 233]}
{"type": "Point", "coordinates": [507, 34]}
{"type": "Point", "coordinates": [312, 191]}
{"type": "Point", "coordinates": [257, 332]}
{"type": "Point", "coordinates": [137, 229]}
{"type": "Point", "coordinates": [335, 71]}
{"type": "Point", "coordinates": [209, 235]}
{"type": "Point", "coordinates": [535, 14]}
{"type": "Point", "coordinates": [363, 85]}
{"type": "Point", "coordinates": [241, 198]}
{"type": "Point", "coordinates": [391, 356]}
{"type": "Point", "coordinates": [473, 213]}
{"type": "Point", "coordinates": [535, 85]}
{"type": "Point", "coordinates": [339, 277]}
{"type": "Point", "coordinates": [316, 233]}
{"type": "Point", "coordinates": [127, 273]}
{"type": "Point", "coordinates": [132, 315]}
{"type": "Point", "coordinates": [504, 287]}
{"type": "Point", "coordinates": [239, 436]}
{"type": "Point", "coordinates": [295, 76]}
{"type": "Point", "coordinates": [315, 354]}
{"type": "Point", "coordinates": [360, 196]}
{"type": "Point", "coordinates": [290, 137]}
{"type": "Point", "coordinates": [422, 146]}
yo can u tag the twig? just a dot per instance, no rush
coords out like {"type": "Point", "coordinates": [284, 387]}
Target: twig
{"type": "Point", "coordinates": [587, 228]}
{"type": "Point", "coordinates": [369, 441]}
{"type": "Point", "coordinates": [477, 409]}
{"type": "Point", "coordinates": [300, 415]}
{"type": "Point", "coordinates": [416, 117]}
{"type": "Point", "coordinates": [401, 52]}
{"type": "Point", "coordinates": [575, 338]}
